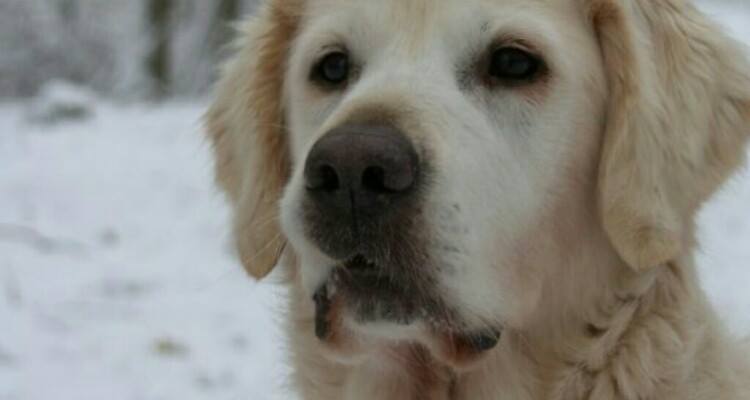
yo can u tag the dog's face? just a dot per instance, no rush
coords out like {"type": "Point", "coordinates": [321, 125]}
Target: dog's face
{"type": "Point", "coordinates": [429, 162]}
{"type": "Point", "coordinates": [427, 143]}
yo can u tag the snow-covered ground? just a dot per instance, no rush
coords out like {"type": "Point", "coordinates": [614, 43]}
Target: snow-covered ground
{"type": "Point", "coordinates": [117, 280]}
{"type": "Point", "coordinates": [116, 277]}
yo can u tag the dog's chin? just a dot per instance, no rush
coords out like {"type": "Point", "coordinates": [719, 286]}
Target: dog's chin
{"type": "Point", "coordinates": [359, 293]}
{"type": "Point", "coordinates": [360, 308]}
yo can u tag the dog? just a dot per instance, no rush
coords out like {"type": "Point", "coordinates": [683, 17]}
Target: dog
{"type": "Point", "coordinates": [486, 199]}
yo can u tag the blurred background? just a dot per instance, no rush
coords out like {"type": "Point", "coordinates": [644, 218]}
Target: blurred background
{"type": "Point", "coordinates": [129, 49]}
{"type": "Point", "coordinates": [117, 279]}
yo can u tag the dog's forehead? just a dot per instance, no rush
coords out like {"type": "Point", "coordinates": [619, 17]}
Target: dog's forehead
{"type": "Point", "coordinates": [419, 20]}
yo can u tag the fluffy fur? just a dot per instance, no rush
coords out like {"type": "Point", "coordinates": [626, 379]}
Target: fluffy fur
{"type": "Point", "coordinates": [581, 246]}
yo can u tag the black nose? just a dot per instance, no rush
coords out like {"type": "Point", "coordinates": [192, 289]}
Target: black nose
{"type": "Point", "coordinates": [361, 170]}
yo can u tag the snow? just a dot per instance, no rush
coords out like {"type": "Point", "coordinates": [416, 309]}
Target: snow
{"type": "Point", "coordinates": [116, 276]}
{"type": "Point", "coordinates": [117, 279]}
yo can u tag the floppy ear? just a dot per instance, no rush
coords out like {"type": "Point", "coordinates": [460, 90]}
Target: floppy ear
{"type": "Point", "coordinates": [246, 127]}
{"type": "Point", "coordinates": [677, 122]}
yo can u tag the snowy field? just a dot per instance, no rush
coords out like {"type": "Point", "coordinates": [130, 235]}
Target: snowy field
{"type": "Point", "coordinates": [117, 280]}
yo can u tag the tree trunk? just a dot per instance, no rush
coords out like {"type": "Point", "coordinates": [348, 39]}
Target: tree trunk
{"type": "Point", "coordinates": [158, 64]}
{"type": "Point", "coordinates": [227, 12]}
{"type": "Point", "coordinates": [69, 10]}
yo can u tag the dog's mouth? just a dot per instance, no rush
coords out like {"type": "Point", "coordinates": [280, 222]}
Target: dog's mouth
{"type": "Point", "coordinates": [360, 267]}
{"type": "Point", "coordinates": [372, 292]}
{"type": "Point", "coordinates": [360, 278]}
{"type": "Point", "coordinates": [366, 292]}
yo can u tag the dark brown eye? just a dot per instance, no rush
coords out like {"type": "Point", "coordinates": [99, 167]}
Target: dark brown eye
{"type": "Point", "coordinates": [514, 65]}
{"type": "Point", "coordinates": [333, 69]}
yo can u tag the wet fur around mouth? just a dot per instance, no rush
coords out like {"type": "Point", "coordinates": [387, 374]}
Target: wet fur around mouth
{"type": "Point", "coordinates": [449, 342]}
{"type": "Point", "coordinates": [370, 295]}
{"type": "Point", "coordinates": [373, 293]}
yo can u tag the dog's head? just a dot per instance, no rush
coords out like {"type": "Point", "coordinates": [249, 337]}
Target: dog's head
{"type": "Point", "coordinates": [428, 162]}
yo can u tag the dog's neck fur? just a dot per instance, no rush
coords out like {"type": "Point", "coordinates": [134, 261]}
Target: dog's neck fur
{"type": "Point", "coordinates": [631, 344]}
{"type": "Point", "coordinates": [650, 337]}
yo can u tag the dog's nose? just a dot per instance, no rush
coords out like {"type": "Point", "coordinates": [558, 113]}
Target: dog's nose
{"type": "Point", "coordinates": [363, 169]}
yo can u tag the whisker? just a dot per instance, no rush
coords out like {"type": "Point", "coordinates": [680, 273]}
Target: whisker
{"type": "Point", "coordinates": [266, 221]}
{"type": "Point", "coordinates": [269, 244]}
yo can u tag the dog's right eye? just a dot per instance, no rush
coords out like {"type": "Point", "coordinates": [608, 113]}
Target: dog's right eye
{"type": "Point", "coordinates": [332, 70]}
{"type": "Point", "coordinates": [514, 65]}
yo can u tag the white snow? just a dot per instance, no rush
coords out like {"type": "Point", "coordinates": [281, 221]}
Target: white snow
{"type": "Point", "coordinates": [117, 280]}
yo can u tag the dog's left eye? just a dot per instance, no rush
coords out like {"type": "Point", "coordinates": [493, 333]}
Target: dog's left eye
{"type": "Point", "coordinates": [333, 69]}
{"type": "Point", "coordinates": [514, 65]}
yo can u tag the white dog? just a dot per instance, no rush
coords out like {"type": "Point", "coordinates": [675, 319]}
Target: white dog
{"type": "Point", "coordinates": [486, 199]}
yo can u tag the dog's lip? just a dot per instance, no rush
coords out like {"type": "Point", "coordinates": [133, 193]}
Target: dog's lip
{"type": "Point", "coordinates": [359, 273]}
{"type": "Point", "coordinates": [359, 263]}
{"type": "Point", "coordinates": [482, 340]}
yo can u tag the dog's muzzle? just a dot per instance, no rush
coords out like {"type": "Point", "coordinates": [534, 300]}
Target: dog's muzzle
{"type": "Point", "coordinates": [363, 208]}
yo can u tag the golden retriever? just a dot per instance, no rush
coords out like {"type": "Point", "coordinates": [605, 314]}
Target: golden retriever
{"type": "Point", "coordinates": [486, 199]}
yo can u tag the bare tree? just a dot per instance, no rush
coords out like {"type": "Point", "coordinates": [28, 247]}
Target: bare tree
{"type": "Point", "coordinates": [152, 48]}
{"type": "Point", "coordinates": [158, 63]}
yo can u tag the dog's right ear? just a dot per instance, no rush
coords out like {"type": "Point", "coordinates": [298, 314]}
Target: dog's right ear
{"type": "Point", "coordinates": [245, 125]}
{"type": "Point", "coordinates": [677, 123]}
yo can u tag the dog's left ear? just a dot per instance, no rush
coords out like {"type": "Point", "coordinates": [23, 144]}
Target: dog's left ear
{"type": "Point", "coordinates": [677, 122]}
{"type": "Point", "coordinates": [245, 125]}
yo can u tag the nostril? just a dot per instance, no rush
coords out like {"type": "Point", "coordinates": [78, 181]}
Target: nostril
{"type": "Point", "coordinates": [364, 161]}
{"type": "Point", "coordinates": [323, 178]}
{"type": "Point", "coordinates": [373, 178]}
{"type": "Point", "coordinates": [379, 179]}
{"type": "Point", "coordinates": [329, 178]}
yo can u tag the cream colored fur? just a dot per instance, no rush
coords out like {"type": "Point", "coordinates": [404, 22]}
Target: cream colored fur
{"type": "Point", "coordinates": [596, 284]}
